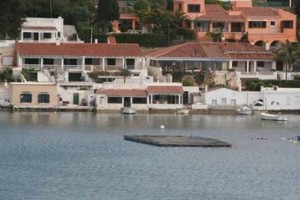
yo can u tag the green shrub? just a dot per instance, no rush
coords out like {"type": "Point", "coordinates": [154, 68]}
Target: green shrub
{"type": "Point", "coordinates": [188, 81]}
{"type": "Point", "coordinates": [6, 74]}
{"type": "Point", "coordinates": [254, 85]}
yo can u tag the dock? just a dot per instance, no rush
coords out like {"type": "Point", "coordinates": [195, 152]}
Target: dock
{"type": "Point", "coordinates": [176, 141]}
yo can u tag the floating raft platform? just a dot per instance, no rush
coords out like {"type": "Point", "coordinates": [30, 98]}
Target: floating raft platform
{"type": "Point", "coordinates": [176, 141]}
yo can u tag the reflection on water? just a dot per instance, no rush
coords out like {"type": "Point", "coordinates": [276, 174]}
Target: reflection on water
{"type": "Point", "coordinates": [84, 156]}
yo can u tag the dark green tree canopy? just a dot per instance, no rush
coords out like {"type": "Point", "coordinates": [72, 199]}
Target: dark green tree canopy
{"type": "Point", "coordinates": [297, 8]}
{"type": "Point", "coordinates": [71, 10]}
{"type": "Point", "coordinates": [10, 18]}
{"type": "Point", "coordinates": [108, 10]}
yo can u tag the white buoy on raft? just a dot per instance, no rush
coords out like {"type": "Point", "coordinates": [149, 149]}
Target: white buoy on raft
{"type": "Point", "coordinates": [162, 127]}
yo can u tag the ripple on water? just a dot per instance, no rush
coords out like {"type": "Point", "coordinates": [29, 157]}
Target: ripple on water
{"type": "Point", "coordinates": [83, 156]}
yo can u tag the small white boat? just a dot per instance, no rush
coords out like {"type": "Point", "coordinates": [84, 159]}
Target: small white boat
{"type": "Point", "coordinates": [244, 110]}
{"type": "Point", "coordinates": [183, 111]}
{"type": "Point", "coordinates": [5, 104]}
{"type": "Point", "coordinates": [128, 111]}
{"type": "Point", "coordinates": [274, 117]}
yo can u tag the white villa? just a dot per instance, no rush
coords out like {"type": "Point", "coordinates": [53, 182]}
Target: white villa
{"type": "Point", "coordinates": [46, 30]}
{"type": "Point", "coordinates": [69, 59]}
{"type": "Point", "coordinates": [245, 60]}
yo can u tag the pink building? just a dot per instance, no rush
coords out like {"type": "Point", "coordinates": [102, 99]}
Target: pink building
{"type": "Point", "coordinates": [265, 26]}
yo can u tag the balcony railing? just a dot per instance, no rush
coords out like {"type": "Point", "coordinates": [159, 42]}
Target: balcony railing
{"type": "Point", "coordinates": [260, 75]}
{"type": "Point", "coordinates": [52, 68]}
{"type": "Point", "coordinates": [74, 68]}
{"type": "Point", "coordinates": [35, 67]}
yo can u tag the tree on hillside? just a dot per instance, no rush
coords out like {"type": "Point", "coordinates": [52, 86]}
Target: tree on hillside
{"type": "Point", "coordinates": [162, 19]}
{"type": "Point", "coordinates": [297, 8]}
{"type": "Point", "coordinates": [107, 11]}
{"type": "Point", "coordinates": [141, 5]}
{"type": "Point", "coordinates": [10, 18]}
{"type": "Point", "coordinates": [71, 10]}
{"type": "Point", "coordinates": [288, 53]}
{"type": "Point", "coordinates": [158, 4]}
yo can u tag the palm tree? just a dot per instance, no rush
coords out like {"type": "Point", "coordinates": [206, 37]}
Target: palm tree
{"type": "Point", "coordinates": [288, 53]}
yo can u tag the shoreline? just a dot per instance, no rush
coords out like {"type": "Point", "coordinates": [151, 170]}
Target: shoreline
{"type": "Point", "coordinates": [151, 111]}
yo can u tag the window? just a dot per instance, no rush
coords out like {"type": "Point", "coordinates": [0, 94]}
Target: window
{"type": "Point", "coordinates": [272, 23]}
{"type": "Point", "coordinates": [88, 61]}
{"type": "Point", "coordinates": [26, 97]}
{"type": "Point", "coordinates": [43, 98]}
{"type": "Point", "coordinates": [260, 63]}
{"type": "Point", "coordinates": [232, 102]}
{"type": "Point", "coordinates": [139, 100]}
{"type": "Point", "coordinates": [47, 35]}
{"type": "Point", "coordinates": [234, 63]}
{"type": "Point", "coordinates": [180, 7]}
{"type": "Point", "coordinates": [287, 24]}
{"type": "Point", "coordinates": [193, 8]}
{"type": "Point", "coordinates": [31, 61]}
{"type": "Point", "coordinates": [111, 61]}
{"type": "Point", "coordinates": [257, 24]}
{"type": "Point", "coordinates": [58, 34]}
{"type": "Point", "coordinates": [70, 62]}
{"type": "Point", "coordinates": [237, 27]}
{"type": "Point", "coordinates": [26, 35]}
{"type": "Point", "coordinates": [224, 101]}
{"type": "Point", "coordinates": [48, 61]}
{"type": "Point", "coordinates": [114, 100]}
{"type": "Point", "coordinates": [130, 63]}
{"type": "Point", "coordinates": [214, 102]}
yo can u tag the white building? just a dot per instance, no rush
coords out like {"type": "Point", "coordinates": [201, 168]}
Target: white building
{"type": "Point", "coordinates": [273, 98]}
{"type": "Point", "coordinates": [47, 30]}
{"type": "Point", "coordinates": [160, 96]}
{"type": "Point", "coordinates": [73, 59]}
{"type": "Point", "coordinates": [42, 29]}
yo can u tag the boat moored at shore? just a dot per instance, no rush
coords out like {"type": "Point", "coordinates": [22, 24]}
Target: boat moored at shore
{"type": "Point", "coordinates": [273, 117]}
{"type": "Point", "coordinates": [244, 110]}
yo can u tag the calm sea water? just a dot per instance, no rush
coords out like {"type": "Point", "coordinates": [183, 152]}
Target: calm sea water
{"type": "Point", "coordinates": [70, 156]}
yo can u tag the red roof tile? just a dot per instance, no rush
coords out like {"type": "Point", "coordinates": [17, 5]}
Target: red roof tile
{"type": "Point", "coordinates": [258, 12]}
{"type": "Point", "coordinates": [211, 50]}
{"type": "Point", "coordinates": [164, 89]}
{"type": "Point", "coordinates": [79, 49]}
{"type": "Point", "coordinates": [217, 13]}
{"type": "Point", "coordinates": [251, 56]}
{"type": "Point", "coordinates": [190, 49]}
{"type": "Point", "coordinates": [123, 92]}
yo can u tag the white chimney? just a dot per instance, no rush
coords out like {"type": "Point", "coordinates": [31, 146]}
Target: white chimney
{"type": "Point", "coordinates": [57, 42]}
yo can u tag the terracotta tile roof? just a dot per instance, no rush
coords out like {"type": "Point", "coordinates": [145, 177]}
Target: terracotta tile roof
{"type": "Point", "coordinates": [190, 49]}
{"type": "Point", "coordinates": [252, 56]}
{"type": "Point", "coordinates": [123, 92]}
{"type": "Point", "coordinates": [79, 49]}
{"type": "Point", "coordinates": [164, 89]}
{"type": "Point", "coordinates": [151, 89]}
{"type": "Point", "coordinates": [50, 28]}
{"type": "Point", "coordinates": [214, 50]}
{"type": "Point", "coordinates": [259, 12]}
{"type": "Point", "coordinates": [217, 13]}
{"type": "Point", "coordinates": [211, 51]}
